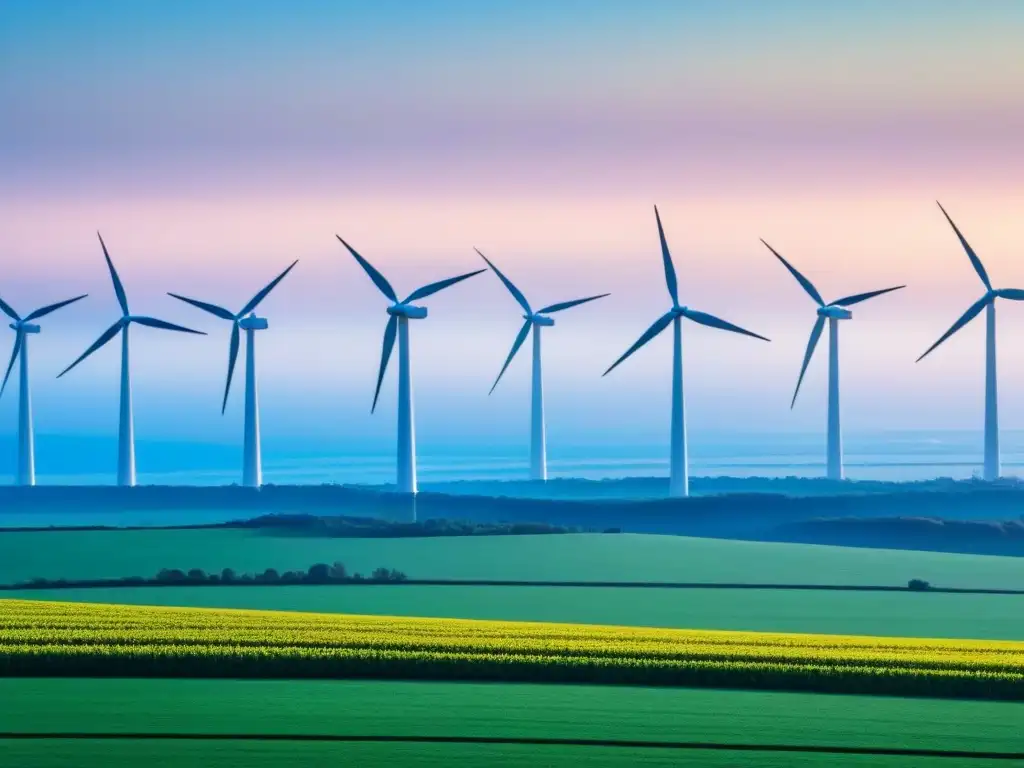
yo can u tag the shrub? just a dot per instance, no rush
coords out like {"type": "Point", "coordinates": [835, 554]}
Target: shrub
{"type": "Point", "coordinates": [918, 585]}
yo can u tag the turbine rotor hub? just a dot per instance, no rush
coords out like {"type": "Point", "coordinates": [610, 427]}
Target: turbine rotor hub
{"type": "Point", "coordinates": [835, 313]}
{"type": "Point", "coordinates": [410, 311]}
{"type": "Point", "coordinates": [253, 323]}
{"type": "Point", "coordinates": [25, 327]}
{"type": "Point", "coordinates": [542, 320]}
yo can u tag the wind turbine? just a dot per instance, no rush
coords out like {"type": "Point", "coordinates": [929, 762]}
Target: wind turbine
{"type": "Point", "coordinates": [252, 466]}
{"type": "Point", "coordinates": [536, 321]}
{"type": "Point", "coordinates": [988, 303]}
{"type": "Point", "coordinates": [126, 427]}
{"type": "Point", "coordinates": [679, 479]}
{"type": "Point", "coordinates": [401, 312]}
{"type": "Point", "coordinates": [833, 313]}
{"type": "Point", "coordinates": [23, 327]}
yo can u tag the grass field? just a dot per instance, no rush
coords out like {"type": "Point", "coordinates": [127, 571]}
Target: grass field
{"type": "Point", "coordinates": [80, 639]}
{"type": "Point", "coordinates": [576, 557]}
{"type": "Point", "coordinates": [901, 614]}
{"type": "Point", "coordinates": [517, 711]}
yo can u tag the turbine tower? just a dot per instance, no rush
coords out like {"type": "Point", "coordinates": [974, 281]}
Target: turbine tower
{"type": "Point", "coordinates": [833, 313]}
{"type": "Point", "coordinates": [24, 327]}
{"type": "Point", "coordinates": [401, 312]}
{"type": "Point", "coordinates": [988, 303]}
{"type": "Point", "coordinates": [245, 320]}
{"type": "Point", "coordinates": [126, 427]}
{"type": "Point", "coordinates": [679, 479]}
{"type": "Point", "coordinates": [535, 321]}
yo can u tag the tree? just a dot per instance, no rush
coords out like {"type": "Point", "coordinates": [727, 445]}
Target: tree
{"type": "Point", "coordinates": [319, 573]}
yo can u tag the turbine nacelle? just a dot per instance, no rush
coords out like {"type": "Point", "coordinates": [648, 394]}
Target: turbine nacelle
{"type": "Point", "coordinates": [409, 311]}
{"type": "Point", "coordinates": [253, 323]}
{"type": "Point", "coordinates": [541, 320]}
{"type": "Point", "coordinates": [25, 327]}
{"type": "Point", "coordinates": [835, 313]}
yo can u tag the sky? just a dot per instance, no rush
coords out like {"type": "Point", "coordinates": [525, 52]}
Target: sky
{"type": "Point", "coordinates": [212, 143]}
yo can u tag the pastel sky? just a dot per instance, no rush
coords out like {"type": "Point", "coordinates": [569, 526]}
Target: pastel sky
{"type": "Point", "coordinates": [214, 142]}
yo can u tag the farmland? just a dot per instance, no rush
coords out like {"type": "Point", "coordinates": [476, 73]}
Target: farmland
{"type": "Point", "coordinates": [77, 639]}
{"type": "Point", "coordinates": [565, 557]}
{"type": "Point", "coordinates": [524, 711]}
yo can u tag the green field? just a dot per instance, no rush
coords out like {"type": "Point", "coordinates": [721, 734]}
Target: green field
{"type": "Point", "coordinates": [410, 709]}
{"type": "Point", "coordinates": [900, 614]}
{"type": "Point", "coordinates": [575, 557]}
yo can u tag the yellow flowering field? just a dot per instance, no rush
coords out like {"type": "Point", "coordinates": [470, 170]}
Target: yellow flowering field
{"type": "Point", "coordinates": [80, 639]}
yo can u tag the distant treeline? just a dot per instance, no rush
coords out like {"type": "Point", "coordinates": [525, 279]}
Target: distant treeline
{"type": "Point", "coordinates": [729, 506]}
{"type": "Point", "coordinates": [320, 573]}
{"type": "Point", "coordinates": [368, 527]}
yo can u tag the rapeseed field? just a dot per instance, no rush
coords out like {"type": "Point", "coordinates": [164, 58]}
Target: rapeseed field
{"type": "Point", "coordinates": [80, 639]}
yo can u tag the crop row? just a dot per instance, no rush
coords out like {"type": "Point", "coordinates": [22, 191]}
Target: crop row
{"type": "Point", "coordinates": [76, 639]}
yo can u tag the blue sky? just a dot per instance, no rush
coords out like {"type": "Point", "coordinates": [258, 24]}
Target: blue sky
{"type": "Point", "coordinates": [212, 143]}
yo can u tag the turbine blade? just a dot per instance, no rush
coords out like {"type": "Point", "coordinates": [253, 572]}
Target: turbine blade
{"type": "Point", "coordinates": [978, 266]}
{"type": "Point", "coordinates": [516, 293]}
{"type": "Point", "coordinates": [666, 257]}
{"type": "Point", "coordinates": [965, 318]}
{"type": "Point", "coordinates": [716, 322]}
{"type": "Point", "coordinates": [9, 311]}
{"type": "Point", "coordinates": [232, 358]}
{"type": "Point", "coordinates": [1013, 294]}
{"type": "Point", "coordinates": [807, 284]}
{"type": "Point", "coordinates": [520, 338]}
{"type": "Point", "coordinates": [385, 355]}
{"type": "Point", "coordinates": [378, 279]}
{"type": "Point", "coordinates": [657, 327]}
{"type": "Point", "coordinates": [819, 324]}
{"type": "Point", "coordinates": [152, 322]}
{"type": "Point", "coordinates": [122, 299]}
{"type": "Point", "coordinates": [44, 311]}
{"type": "Point", "coordinates": [14, 356]}
{"type": "Point", "coordinates": [213, 309]}
{"type": "Point", "coordinates": [429, 290]}
{"type": "Point", "coordinates": [569, 304]}
{"type": "Point", "coordinates": [107, 335]}
{"type": "Point", "coordinates": [857, 298]}
{"type": "Point", "coordinates": [255, 300]}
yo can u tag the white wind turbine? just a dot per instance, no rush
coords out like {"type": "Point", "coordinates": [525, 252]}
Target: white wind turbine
{"type": "Point", "coordinates": [535, 321]}
{"type": "Point", "coordinates": [126, 426]}
{"type": "Point", "coordinates": [988, 303]}
{"type": "Point", "coordinates": [245, 320]}
{"type": "Point", "coordinates": [401, 312]}
{"type": "Point", "coordinates": [24, 327]}
{"type": "Point", "coordinates": [679, 479]}
{"type": "Point", "coordinates": [833, 312]}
